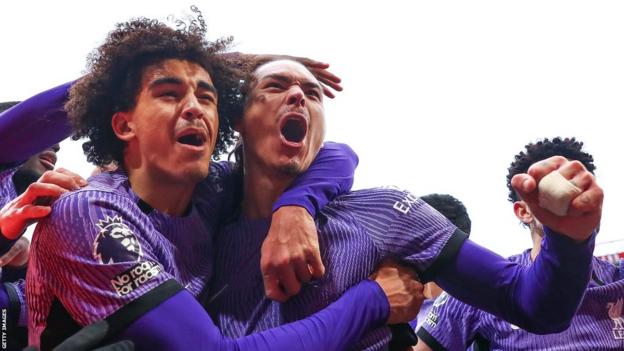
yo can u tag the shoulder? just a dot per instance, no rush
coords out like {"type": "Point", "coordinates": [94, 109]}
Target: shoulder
{"type": "Point", "coordinates": [106, 190]}
{"type": "Point", "coordinates": [85, 212]}
{"type": "Point", "coordinates": [391, 201]}
{"type": "Point", "coordinates": [607, 271]}
{"type": "Point", "coordinates": [382, 196]}
{"type": "Point", "coordinates": [7, 187]}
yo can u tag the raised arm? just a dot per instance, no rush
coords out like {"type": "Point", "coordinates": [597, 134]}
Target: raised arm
{"type": "Point", "coordinates": [34, 125]}
{"type": "Point", "coordinates": [541, 298]}
{"type": "Point", "coordinates": [544, 297]}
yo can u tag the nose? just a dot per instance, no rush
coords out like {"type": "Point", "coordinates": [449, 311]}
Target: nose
{"type": "Point", "coordinates": [191, 109]}
{"type": "Point", "coordinates": [55, 147]}
{"type": "Point", "coordinates": [295, 97]}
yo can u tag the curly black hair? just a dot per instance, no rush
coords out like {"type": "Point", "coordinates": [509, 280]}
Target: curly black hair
{"type": "Point", "coordinates": [451, 208]}
{"type": "Point", "coordinates": [569, 148]}
{"type": "Point", "coordinates": [114, 77]}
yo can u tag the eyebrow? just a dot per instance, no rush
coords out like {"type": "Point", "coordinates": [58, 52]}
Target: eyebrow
{"type": "Point", "coordinates": [177, 81]}
{"type": "Point", "coordinates": [287, 79]}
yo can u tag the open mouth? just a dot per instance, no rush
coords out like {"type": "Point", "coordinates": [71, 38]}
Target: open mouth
{"type": "Point", "coordinates": [294, 128]}
{"type": "Point", "coordinates": [192, 137]}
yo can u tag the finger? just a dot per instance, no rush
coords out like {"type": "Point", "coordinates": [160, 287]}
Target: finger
{"type": "Point", "coordinates": [63, 180]}
{"type": "Point", "coordinates": [312, 64]}
{"type": "Point", "coordinates": [582, 180]}
{"type": "Point", "coordinates": [302, 270]}
{"type": "Point", "coordinates": [77, 178]}
{"type": "Point", "coordinates": [314, 261]}
{"type": "Point", "coordinates": [333, 85]}
{"type": "Point", "coordinates": [288, 281]}
{"type": "Point", "coordinates": [36, 190]}
{"type": "Point", "coordinates": [524, 185]}
{"type": "Point", "coordinates": [541, 169]}
{"type": "Point", "coordinates": [327, 92]}
{"type": "Point", "coordinates": [589, 201]}
{"type": "Point", "coordinates": [326, 75]}
{"type": "Point", "coordinates": [35, 212]}
{"type": "Point", "coordinates": [272, 288]}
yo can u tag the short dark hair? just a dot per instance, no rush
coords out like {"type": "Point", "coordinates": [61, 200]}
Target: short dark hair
{"type": "Point", "coordinates": [114, 77]}
{"type": "Point", "coordinates": [7, 105]}
{"type": "Point", "coordinates": [569, 148]}
{"type": "Point", "coordinates": [451, 208]}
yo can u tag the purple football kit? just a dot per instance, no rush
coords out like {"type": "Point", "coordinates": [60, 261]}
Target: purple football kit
{"type": "Point", "coordinates": [108, 254]}
{"type": "Point", "coordinates": [356, 232]}
{"type": "Point", "coordinates": [598, 324]}
{"type": "Point", "coordinates": [105, 254]}
{"type": "Point", "coordinates": [7, 193]}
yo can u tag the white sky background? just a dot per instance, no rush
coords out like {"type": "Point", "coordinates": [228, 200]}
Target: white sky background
{"type": "Point", "coordinates": [439, 95]}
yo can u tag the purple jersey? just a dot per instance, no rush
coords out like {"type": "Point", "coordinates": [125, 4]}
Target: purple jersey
{"type": "Point", "coordinates": [7, 187]}
{"type": "Point", "coordinates": [7, 193]}
{"type": "Point", "coordinates": [102, 247]}
{"type": "Point", "coordinates": [598, 324]}
{"type": "Point", "coordinates": [356, 232]}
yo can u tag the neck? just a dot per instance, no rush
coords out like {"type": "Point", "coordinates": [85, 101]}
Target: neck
{"type": "Point", "coordinates": [536, 236]}
{"type": "Point", "coordinates": [262, 188]}
{"type": "Point", "coordinates": [158, 191]}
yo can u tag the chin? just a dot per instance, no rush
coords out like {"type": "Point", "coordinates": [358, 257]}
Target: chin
{"type": "Point", "coordinates": [292, 168]}
{"type": "Point", "coordinates": [193, 175]}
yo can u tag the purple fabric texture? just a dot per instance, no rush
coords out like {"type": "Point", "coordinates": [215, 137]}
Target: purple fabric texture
{"type": "Point", "coordinates": [356, 232]}
{"type": "Point", "coordinates": [598, 324]}
{"type": "Point", "coordinates": [335, 328]}
{"type": "Point", "coordinates": [541, 298]}
{"type": "Point", "coordinates": [42, 116]}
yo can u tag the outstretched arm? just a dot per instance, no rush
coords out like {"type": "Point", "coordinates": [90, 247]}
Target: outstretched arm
{"type": "Point", "coordinates": [34, 125]}
{"type": "Point", "coordinates": [541, 298]}
{"type": "Point", "coordinates": [544, 297]}
{"type": "Point", "coordinates": [337, 327]}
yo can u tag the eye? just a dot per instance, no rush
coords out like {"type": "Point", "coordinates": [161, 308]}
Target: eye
{"type": "Point", "coordinates": [274, 85]}
{"type": "Point", "coordinates": [169, 93]}
{"type": "Point", "coordinates": [206, 97]}
{"type": "Point", "coordinates": [313, 93]}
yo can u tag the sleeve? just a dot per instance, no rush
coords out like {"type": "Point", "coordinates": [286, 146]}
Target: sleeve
{"type": "Point", "coordinates": [337, 327]}
{"type": "Point", "coordinates": [403, 227]}
{"type": "Point", "coordinates": [540, 298]}
{"type": "Point", "coordinates": [450, 325]}
{"type": "Point", "coordinates": [330, 174]}
{"type": "Point", "coordinates": [34, 125]}
{"type": "Point", "coordinates": [7, 193]}
{"type": "Point", "coordinates": [92, 253]}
